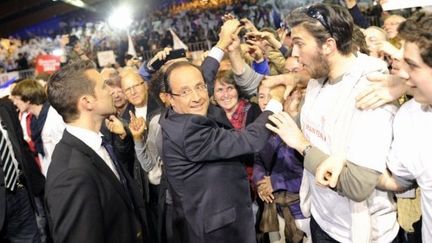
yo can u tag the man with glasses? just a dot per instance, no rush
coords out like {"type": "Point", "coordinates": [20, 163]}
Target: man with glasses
{"type": "Point", "coordinates": [143, 105]}
{"type": "Point", "coordinates": [208, 183]}
{"type": "Point", "coordinates": [333, 129]}
{"type": "Point", "coordinates": [136, 90]}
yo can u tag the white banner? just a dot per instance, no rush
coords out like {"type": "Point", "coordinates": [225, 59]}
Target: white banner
{"type": "Point", "coordinates": [6, 79]}
{"type": "Point", "coordinates": [400, 4]}
{"type": "Point", "coordinates": [106, 58]}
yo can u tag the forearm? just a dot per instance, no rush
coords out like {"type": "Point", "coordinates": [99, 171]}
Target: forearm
{"type": "Point", "coordinates": [388, 182]}
{"type": "Point", "coordinates": [355, 182]}
{"type": "Point", "coordinates": [143, 155]}
{"type": "Point", "coordinates": [237, 61]}
{"type": "Point", "coordinates": [249, 80]}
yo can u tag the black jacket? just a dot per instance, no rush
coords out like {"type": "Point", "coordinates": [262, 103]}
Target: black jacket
{"type": "Point", "coordinates": [208, 182]}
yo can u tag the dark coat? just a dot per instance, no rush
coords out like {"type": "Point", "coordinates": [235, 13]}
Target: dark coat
{"type": "Point", "coordinates": [33, 178]}
{"type": "Point", "coordinates": [85, 200]}
{"type": "Point", "coordinates": [208, 182]}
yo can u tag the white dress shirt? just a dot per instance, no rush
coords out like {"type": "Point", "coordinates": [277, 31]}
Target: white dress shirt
{"type": "Point", "coordinates": [94, 141]}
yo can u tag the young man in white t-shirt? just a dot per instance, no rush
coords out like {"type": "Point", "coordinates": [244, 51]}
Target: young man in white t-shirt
{"type": "Point", "coordinates": [410, 157]}
{"type": "Point", "coordinates": [334, 129]}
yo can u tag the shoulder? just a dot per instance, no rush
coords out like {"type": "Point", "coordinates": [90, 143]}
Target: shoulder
{"type": "Point", "coordinates": [410, 113]}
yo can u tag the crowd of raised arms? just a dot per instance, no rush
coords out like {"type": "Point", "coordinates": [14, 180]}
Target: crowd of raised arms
{"type": "Point", "coordinates": [317, 131]}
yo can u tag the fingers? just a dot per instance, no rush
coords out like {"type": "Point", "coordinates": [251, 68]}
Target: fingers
{"type": "Point", "coordinates": [282, 118]}
{"type": "Point", "coordinates": [268, 198]}
{"type": "Point", "coordinates": [288, 90]}
{"type": "Point", "coordinates": [377, 77]}
{"type": "Point", "coordinates": [132, 115]}
{"type": "Point", "coordinates": [363, 94]}
{"type": "Point", "coordinates": [321, 176]}
{"type": "Point", "coordinates": [107, 123]}
{"type": "Point", "coordinates": [333, 180]}
{"type": "Point", "coordinates": [368, 101]}
{"type": "Point", "coordinates": [272, 128]}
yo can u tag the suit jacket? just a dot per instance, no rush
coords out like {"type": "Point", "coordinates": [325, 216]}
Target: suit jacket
{"type": "Point", "coordinates": [85, 200]}
{"type": "Point", "coordinates": [208, 182]}
{"type": "Point", "coordinates": [32, 176]}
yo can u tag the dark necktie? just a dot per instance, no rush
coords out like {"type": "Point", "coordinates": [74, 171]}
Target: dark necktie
{"type": "Point", "coordinates": [10, 168]}
{"type": "Point", "coordinates": [120, 172]}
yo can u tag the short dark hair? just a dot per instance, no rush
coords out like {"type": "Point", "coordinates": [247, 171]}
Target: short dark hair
{"type": "Point", "coordinates": [30, 91]}
{"type": "Point", "coordinates": [171, 68]}
{"type": "Point", "coordinates": [67, 85]}
{"type": "Point", "coordinates": [418, 29]}
{"type": "Point", "coordinates": [325, 21]}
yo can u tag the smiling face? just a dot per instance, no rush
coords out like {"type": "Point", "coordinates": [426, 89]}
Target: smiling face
{"type": "Point", "coordinates": [420, 74]}
{"type": "Point", "coordinates": [226, 95]}
{"type": "Point", "coordinates": [309, 53]}
{"type": "Point", "coordinates": [189, 94]}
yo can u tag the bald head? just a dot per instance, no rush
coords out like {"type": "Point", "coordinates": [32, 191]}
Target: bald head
{"type": "Point", "coordinates": [135, 88]}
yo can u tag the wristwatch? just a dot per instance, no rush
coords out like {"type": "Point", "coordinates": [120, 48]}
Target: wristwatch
{"type": "Point", "coordinates": [306, 150]}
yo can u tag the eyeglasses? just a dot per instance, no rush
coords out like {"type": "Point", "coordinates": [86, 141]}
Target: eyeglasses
{"type": "Point", "coordinates": [314, 13]}
{"type": "Point", "coordinates": [187, 91]}
{"type": "Point", "coordinates": [133, 87]}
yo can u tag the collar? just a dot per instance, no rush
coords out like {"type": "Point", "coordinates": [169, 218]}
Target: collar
{"type": "Point", "coordinates": [90, 138]}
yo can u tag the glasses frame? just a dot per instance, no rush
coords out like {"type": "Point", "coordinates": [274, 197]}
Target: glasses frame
{"type": "Point", "coordinates": [199, 88]}
{"type": "Point", "coordinates": [316, 14]}
{"type": "Point", "coordinates": [133, 87]}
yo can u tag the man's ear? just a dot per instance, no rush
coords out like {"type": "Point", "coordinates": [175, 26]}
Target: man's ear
{"type": "Point", "coordinates": [329, 46]}
{"type": "Point", "coordinates": [85, 102]}
{"type": "Point", "coordinates": [170, 99]}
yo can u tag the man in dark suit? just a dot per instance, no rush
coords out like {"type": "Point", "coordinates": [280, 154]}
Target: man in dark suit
{"type": "Point", "coordinates": [89, 195]}
{"type": "Point", "coordinates": [20, 180]}
{"type": "Point", "coordinates": [207, 181]}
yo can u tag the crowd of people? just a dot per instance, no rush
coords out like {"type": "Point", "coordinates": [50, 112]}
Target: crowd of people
{"type": "Point", "coordinates": [149, 32]}
{"type": "Point", "coordinates": [314, 132]}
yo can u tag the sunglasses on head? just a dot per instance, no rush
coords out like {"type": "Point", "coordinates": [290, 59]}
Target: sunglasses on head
{"type": "Point", "coordinates": [315, 13]}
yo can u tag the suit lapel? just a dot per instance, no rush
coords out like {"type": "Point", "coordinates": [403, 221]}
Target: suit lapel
{"type": "Point", "coordinates": [98, 162]}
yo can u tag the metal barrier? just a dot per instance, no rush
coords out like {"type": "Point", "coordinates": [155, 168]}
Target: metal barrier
{"type": "Point", "coordinates": [28, 73]}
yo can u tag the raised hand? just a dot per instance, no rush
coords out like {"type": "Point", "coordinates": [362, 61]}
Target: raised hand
{"type": "Point", "coordinates": [284, 126]}
{"type": "Point", "coordinates": [292, 102]}
{"type": "Point", "coordinates": [384, 89]}
{"type": "Point", "coordinates": [160, 56]}
{"type": "Point", "coordinates": [267, 36]}
{"type": "Point", "coordinates": [248, 24]}
{"type": "Point", "coordinates": [230, 28]}
{"type": "Point", "coordinates": [115, 126]}
{"type": "Point", "coordinates": [137, 126]}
